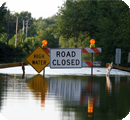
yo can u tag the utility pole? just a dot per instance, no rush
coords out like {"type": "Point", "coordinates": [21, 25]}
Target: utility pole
{"type": "Point", "coordinates": [8, 29]}
{"type": "Point", "coordinates": [23, 31]}
{"type": "Point", "coordinates": [26, 29]}
{"type": "Point", "coordinates": [16, 32]}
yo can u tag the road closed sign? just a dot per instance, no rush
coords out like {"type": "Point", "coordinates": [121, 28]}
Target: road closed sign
{"type": "Point", "coordinates": [66, 58]}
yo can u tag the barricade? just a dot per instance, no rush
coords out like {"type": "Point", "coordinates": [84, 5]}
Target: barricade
{"type": "Point", "coordinates": [85, 50]}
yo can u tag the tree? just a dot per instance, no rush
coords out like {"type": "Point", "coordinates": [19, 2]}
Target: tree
{"type": "Point", "coordinates": [113, 30]}
{"type": "Point", "coordinates": [100, 20]}
{"type": "Point", "coordinates": [49, 35]}
{"type": "Point", "coordinates": [3, 12]}
{"type": "Point", "coordinates": [28, 45]}
{"type": "Point", "coordinates": [3, 37]}
{"type": "Point", "coordinates": [20, 36]}
{"type": "Point", "coordinates": [67, 24]}
{"type": "Point", "coordinates": [73, 19]}
{"type": "Point", "coordinates": [43, 23]}
{"type": "Point", "coordinates": [26, 16]}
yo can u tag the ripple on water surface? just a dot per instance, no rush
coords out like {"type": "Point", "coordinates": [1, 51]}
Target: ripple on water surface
{"type": "Point", "coordinates": [64, 97]}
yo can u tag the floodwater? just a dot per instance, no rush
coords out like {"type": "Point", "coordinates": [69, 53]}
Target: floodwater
{"type": "Point", "coordinates": [64, 94]}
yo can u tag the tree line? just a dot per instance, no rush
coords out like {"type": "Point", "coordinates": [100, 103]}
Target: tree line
{"type": "Point", "coordinates": [105, 21]}
{"type": "Point", "coordinates": [76, 22]}
{"type": "Point", "coordinates": [30, 33]}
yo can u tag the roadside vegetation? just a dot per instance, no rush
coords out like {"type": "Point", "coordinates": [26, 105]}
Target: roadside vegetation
{"type": "Point", "coordinates": [77, 21]}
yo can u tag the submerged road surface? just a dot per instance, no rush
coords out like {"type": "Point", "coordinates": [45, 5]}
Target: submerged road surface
{"type": "Point", "coordinates": [75, 71]}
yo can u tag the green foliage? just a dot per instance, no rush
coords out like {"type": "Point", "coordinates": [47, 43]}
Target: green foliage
{"type": "Point", "coordinates": [42, 23]}
{"type": "Point", "coordinates": [26, 16]}
{"type": "Point", "coordinates": [75, 24]}
{"type": "Point", "coordinates": [27, 45]}
{"type": "Point", "coordinates": [113, 33]}
{"type": "Point", "coordinates": [67, 24]}
{"type": "Point", "coordinates": [105, 21]}
{"type": "Point", "coordinates": [20, 38]}
{"type": "Point", "coordinates": [10, 51]}
{"type": "Point", "coordinates": [2, 49]}
{"type": "Point", "coordinates": [3, 37]}
{"type": "Point", "coordinates": [3, 12]}
{"type": "Point", "coordinates": [73, 21]}
{"type": "Point", "coordinates": [47, 34]}
{"type": "Point", "coordinates": [38, 30]}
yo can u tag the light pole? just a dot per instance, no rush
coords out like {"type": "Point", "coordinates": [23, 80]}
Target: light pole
{"type": "Point", "coordinates": [17, 21]}
{"type": "Point", "coordinates": [26, 29]}
{"type": "Point", "coordinates": [16, 32]}
{"type": "Point", "coordinates": [23, 31]}
{"type": "Point", "coordinates": [8, 30]}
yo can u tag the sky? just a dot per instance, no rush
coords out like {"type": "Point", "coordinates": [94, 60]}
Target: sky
{"type": "Point", "coordinates": [38, 8]}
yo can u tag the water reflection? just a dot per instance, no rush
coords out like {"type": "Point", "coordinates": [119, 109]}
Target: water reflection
{"type": "Point", "coordinates": [90, 106]}
{"type": "Point", "coordinates": [108, 85]}
{"type": "Point", "coordinates": [68, 90]}
{"type": "Point", "coordinates": [39, 87]}
{"type": "Point", "coordinates": [64, 97]}
{"type": "Point", "coordinates": [76, 93]}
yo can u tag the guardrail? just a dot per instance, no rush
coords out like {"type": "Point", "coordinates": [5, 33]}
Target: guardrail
{"type": "Point", "coordinates": [110, 66]}
{"type": "Point", "coordinates": [13, 64]}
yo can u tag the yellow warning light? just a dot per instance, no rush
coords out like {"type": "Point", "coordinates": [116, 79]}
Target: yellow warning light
{"type": "Point", "coordinates": [44, 42]}
{"type": "Point", "coordinates": [92, 45]}
{"type": "Point", "coordinates": [92, 41]}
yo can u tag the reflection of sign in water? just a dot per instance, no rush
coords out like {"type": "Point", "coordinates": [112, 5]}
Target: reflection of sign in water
{"type": "Point", "coordinates": [108, 85]}
{"type": "Point", "coordinates": [69, 90]}
{"type": "Point", "coordinates": [90, 106]}
{"type": "Point", "coordinates": [73, 90]}
{"type": "Point", "coordinates": [38, 59]}
{"type": "Point", "coordinates": [39, 85]}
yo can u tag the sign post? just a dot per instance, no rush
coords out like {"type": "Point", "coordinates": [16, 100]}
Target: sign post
{"type": "Point", "coordinates": [118, 56]}
{"type": "Point", "coordinates": [92, 45]}
{"type": "Point", "coordinates": [92, 66]}
{"type": "Point", "coordinates": [129, 57]}
{"type": "Point", "coordinates": [44, 45]}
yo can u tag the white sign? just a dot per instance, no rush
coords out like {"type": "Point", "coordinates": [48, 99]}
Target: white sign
{"type": "Point", "coordinates": [118, 56]}
{"type": "Point", "coordinates": [66, 58]}
{"type": "Point", "coordinates": [129, 57]}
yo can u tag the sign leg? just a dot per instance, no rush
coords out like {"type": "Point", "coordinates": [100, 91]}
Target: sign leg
{"type": "Point", "coordinates": [23, 68]}
{"type": "Point", "coordinates": [92, 66]}
{"type": "Point", "coordinates": [91, 72]}
{"type": "Point", "coordinates": [43, 72]}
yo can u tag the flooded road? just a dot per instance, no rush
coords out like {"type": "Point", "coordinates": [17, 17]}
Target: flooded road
{"type": "Point", "coordinates": [98, 71]}
{"type": "Point", "coordinates": [64, 97]}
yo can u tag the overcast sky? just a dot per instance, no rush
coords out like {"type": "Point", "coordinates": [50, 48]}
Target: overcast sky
{"type": "Point", "coordinates": [38, 8]}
